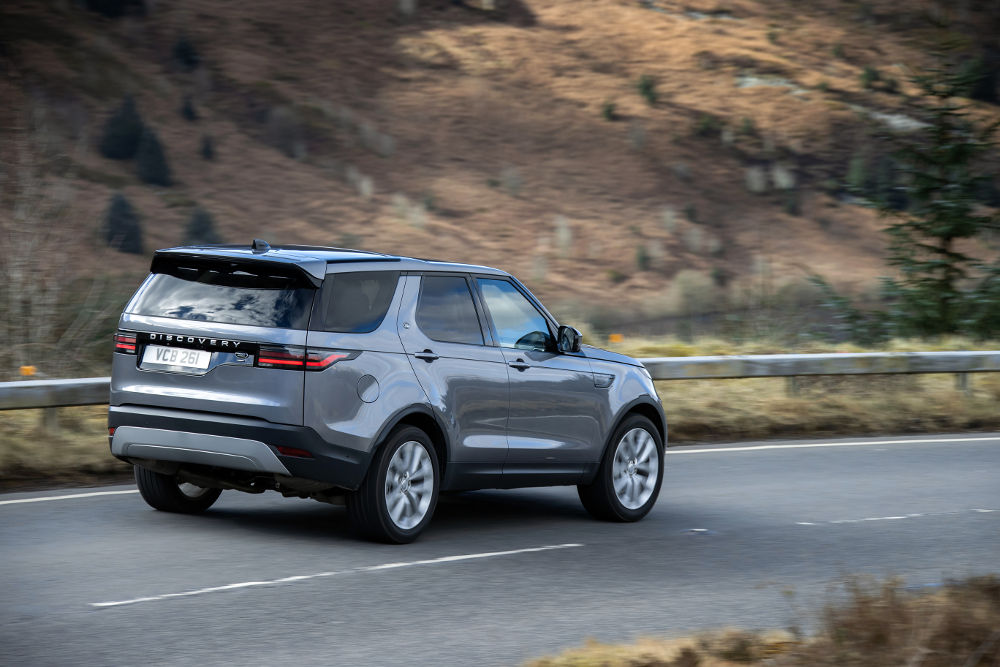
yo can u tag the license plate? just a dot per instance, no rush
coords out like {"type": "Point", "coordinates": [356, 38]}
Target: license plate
{"type": "Point", "coordinates": [176, 357]}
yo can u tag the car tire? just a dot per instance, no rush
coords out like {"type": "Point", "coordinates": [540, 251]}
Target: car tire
{"type": "Point", "coordinates": [623, 489]}
{"type": "Point", "coordinates": [397, 499]}
{"type": "Point", "coordinates": [165, 493]}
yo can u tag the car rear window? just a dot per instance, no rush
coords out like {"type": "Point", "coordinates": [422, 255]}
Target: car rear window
{"type": "Point", "coordinates": [258, 294]}
{"type": "Point", "coordinates": [354, 302]}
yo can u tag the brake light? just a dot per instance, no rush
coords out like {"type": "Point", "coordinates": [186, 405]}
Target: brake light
{"type": "Point", "coordinates": [298, 358]}
{"type": "Point", "coordinates": [317, 360]}
{"type": "Point", "coordinates": [125, 342]}
{"type": "Point", "coordinates": [273, 356]}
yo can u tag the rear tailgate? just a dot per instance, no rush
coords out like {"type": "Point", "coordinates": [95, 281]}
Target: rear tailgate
{"type": "Point", "coordinates": [198, 339]}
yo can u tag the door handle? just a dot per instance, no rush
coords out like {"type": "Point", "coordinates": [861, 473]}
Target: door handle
{"type": "Point", "coordinates": [519, 365]}
{"type": "Point", "coordinates": [426, 355]}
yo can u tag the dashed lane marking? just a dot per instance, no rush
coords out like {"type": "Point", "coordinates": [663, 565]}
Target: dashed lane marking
{"type": "Point", "coordinates": [896, 518]}
{"type": "Point", "coordinates": [68, 496]}
{"type": "Point", "coordinates": [356, 570]}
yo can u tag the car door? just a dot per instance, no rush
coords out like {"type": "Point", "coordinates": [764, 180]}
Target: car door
{"type": "Point", "coordinates": [444, 336]}
{"type": "Point", "coordinates": [553, 429]}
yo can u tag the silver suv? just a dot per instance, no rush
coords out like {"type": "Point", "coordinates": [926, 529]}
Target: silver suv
{"type": "Point", "coordinates": [370, 380]}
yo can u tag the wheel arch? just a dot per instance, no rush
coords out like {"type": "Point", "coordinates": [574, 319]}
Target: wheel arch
{"type": "Point", "coordinates": [644, 406]}
{"type": "Point", "coordinates": [423, 418]}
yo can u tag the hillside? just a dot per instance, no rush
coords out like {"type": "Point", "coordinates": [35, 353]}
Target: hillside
{"type": "Point", "coordinates": [515, 137]}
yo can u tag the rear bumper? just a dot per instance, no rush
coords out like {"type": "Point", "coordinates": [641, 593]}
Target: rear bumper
{"type": "Point", "coordinates": [232, 443]}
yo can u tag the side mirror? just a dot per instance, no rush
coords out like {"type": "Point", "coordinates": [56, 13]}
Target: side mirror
{"type": "Point", "coordinates": [569, 339]}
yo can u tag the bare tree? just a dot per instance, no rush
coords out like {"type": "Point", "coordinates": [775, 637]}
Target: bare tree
{"type": "Point", "coordinates": [49, 311]}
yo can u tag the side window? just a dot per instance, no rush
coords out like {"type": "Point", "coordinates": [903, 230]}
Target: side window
{"type": "Point", "coordinates": [445, 310]}
{"type": "Point", "coordinates": [354, 302]}
{"type": "Point", "coordinates": [518, 322]}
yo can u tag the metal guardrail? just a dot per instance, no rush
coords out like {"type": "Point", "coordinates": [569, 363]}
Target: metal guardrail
{"type": "Point", "coordinates": [26, 394]}
{"type": "Point", "coordinates": [94, 391]}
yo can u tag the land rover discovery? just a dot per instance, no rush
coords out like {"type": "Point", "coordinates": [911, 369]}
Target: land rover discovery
{"type": "Point", "coordinates": [369, 380]}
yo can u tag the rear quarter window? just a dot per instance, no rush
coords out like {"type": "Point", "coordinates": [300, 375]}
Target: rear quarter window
{"type": "Point", "coordinates": [354, 302]}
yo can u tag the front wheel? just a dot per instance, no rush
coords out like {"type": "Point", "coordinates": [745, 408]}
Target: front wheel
{"type": "Point", "coordinates": [628, 481]}
{"type": "Point", "coordinates": [165, 493]}
{"type": "Point", "coordinates": [397, 499]}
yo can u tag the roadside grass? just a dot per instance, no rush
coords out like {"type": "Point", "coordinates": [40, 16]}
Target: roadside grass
{"type": "Point", "coordinates": [697, 410]}
{"type": "Point", "coordinates": [706, 410]}
{"type": "Point", "coordinates": [75, 453]}
{"type": "Point", "coordinates": [873, 625]}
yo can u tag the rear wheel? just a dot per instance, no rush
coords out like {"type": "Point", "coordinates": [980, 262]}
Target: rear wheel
{"type": "Point", "coordinates": [397, 499]}
{"type": "Point", "coordinates": [628, 481]}
{"type": "Point", "coordinates": [165, 493]}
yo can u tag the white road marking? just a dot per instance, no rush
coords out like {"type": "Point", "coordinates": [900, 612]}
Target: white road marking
{"type": "Point", "coordinates": [857, 443]}
{"type": "Point", "coordinates": [894, 518]}
{"type": "Point", "coordinates": [69, 496]}
{"type": "Point", "coordinates": [356, 570]}
{"type": "Point", "coordinates": [681, 450]}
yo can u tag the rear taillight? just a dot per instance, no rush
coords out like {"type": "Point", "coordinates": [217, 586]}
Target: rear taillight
{"type": "Point", "coordinates": [275, 356]}
{"type": "Point", "coordinates": [301, 359]}
{"type": "Point", "coordinates": [125, 342]}
{"type": "Point", "coordinates": [317, 360]}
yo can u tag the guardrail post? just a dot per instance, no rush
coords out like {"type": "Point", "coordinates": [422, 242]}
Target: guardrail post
{"type": "Point", "coordinates": [792, 386]}
{"type": "Point", "coordinates": [963, 383]}
{"type": "Point", "coordinates": [50, 420]}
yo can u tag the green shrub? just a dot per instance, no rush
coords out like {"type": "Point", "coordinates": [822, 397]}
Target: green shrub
{"type": "Point", "coordinates": [793, 203]}
{"type": "Point", "coordinates": [122, 132]}
{"type": "Point", "coordinates": [616, 277]}
{"type": "Point", "coordinates": [647, 88]}
{"type": "Point", "coordinates": [150, 160]}
{"type": "Point", "coordinates": [838, 52]}
{"type": "Point", "coordinates": [980, 77]}
{"type": "Point", "coordinates": [641, 257]}
{"type": "Point", "coordinates": [207, 147]}
{"type": "Point", "coordinates": [708, 126]}
{"type": "Point", "coordinates": [201, 229]}
{"type": "Point", "coordinates": [869, 77]}
{"type": "Point", "coordinates": [185, 54]}
{"type": "Point", "coordinates": [608, 111]}
{"type": "Point", "coordinates": [747, 127]}
{"type": "Point", "coordinates": [188, 112]}
{"type": "Point", "coordinates": [122, 226]}
{"type": "Point", "coordinates": [772, 36]}
{"type": "Point", "coordinates": [691, 213]}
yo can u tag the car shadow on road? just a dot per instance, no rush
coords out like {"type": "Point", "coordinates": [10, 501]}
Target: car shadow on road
{"type": "Point", "coordinates": [459, 513]}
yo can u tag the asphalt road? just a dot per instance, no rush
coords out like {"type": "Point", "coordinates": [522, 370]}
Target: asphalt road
{"type": "Point", "coordinates": [749, 535]}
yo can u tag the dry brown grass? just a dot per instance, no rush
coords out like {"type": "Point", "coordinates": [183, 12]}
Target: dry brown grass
{"type": "Point", "coordinates": [467, 96]}
{"type": "Point", "coordinates": [77, 452]}
{"type": "Point", "coordinates": [697, 410]}
{"type": "Point", "coordinates": [878, 624]}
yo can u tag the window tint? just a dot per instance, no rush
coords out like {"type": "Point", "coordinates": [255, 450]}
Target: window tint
{"type": "Point", "coordinates": [518, 323]}
{"type": "Point", "coordinates": [445, 311]}
{"type": "Point", "coordinates": [227, 292]}
{"type": "Point", "coordinates": [354, 302]}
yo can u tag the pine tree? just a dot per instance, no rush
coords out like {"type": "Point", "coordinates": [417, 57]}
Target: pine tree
{"type": "Point", "coordinates": [122, 132]}
{"type": "Point", "coordinates": [122, 226]}
{"type": "Point", "coordinates": [151, 162]}
{"type": "Point", "coordinates": [937, 204]}
{"type": "Point", "coordinates": [201, 229]}
{"type": "Point", "coordinates": [942, 187]}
